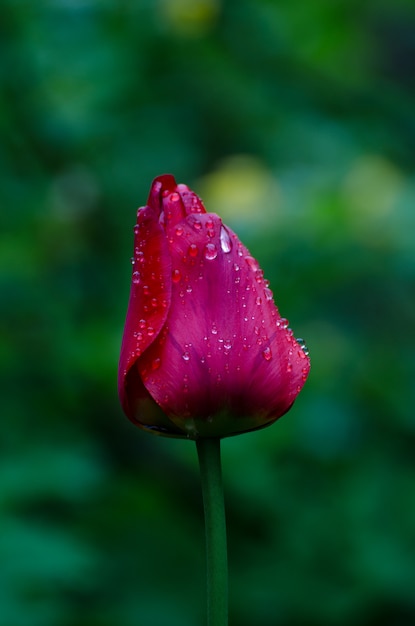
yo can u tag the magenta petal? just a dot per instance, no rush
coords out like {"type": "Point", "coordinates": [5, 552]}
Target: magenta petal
{"type": "Point", "coordinates": [225, 361]}
{"type": "Point", "coordinates": [150, 299]}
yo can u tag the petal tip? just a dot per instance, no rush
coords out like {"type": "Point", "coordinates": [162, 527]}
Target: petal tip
{"type": "Point", "coordinates": [167, 182]}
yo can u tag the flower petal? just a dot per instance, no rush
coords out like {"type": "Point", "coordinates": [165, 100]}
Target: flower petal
{"type": "Point", "coordinates": [224, 348]}
{"type": "Point", "coordinates": [150, 298]}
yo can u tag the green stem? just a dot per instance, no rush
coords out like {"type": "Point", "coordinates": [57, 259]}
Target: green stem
{"type": "Point", "coordinates": [215, 526]}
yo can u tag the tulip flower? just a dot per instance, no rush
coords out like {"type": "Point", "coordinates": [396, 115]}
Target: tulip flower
{"type": "Point", "coordinates": [205, 351]}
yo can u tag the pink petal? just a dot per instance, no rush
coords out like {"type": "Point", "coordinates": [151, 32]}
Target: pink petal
{"type": "Point", "coordinates": [150, 299]}
{"type": "Point", "coordinates": [225, 361]}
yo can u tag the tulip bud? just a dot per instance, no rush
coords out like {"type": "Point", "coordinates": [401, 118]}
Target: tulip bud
{"type": "Point", "coordinates": [205, 352]}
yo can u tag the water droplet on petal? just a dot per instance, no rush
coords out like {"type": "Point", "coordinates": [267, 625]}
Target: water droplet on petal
{"type": "Point", "coordinates": [282, 323]}
{"type": "Point", "coordinates": [305, 351]}
{"type": "Point", "coordinates": [186, 356]}
{"type": "Point", "coordinates": [193, 250]}
{"type": "Point", "coordinates": [175, 197]}
{"type": "Point", "coordinates": [176, 276]}
{"type": "Point", "coordinates": [179, 231]}
{"type": "Point", "coordinates": [150, 331]}
{"type": "Point", "coordinates": [225, 240]}
{"type": "Point", "coordinates": [146, 290]}
{"type": "Point", "coordinates": [258, 300]}
{"type": "Point", "coordinates": [156, 364]}
{"type": "Point", "coordinates": [268, 293]}
{"type": "Point", "coordinates": [252, 263]}
{"type": "Point", "coordinates": [259, 276]}
{"type": "Point", "coordinates": [214, 329]}
{"type": "Point", "coordinates": [132, 260]}
{"type": "Point", "coordinates": [267, 354]}
{"type": "Point", "coordinates": [227, 344]}
{"type": "Point", "coordinates": [136, 278]}
{"type": "Point", "coordinates": [236, 267]}
{"type": "Point", "coordinates": [289, 367]}
{"type": "Point", "coordinates": [210, 251]}
{"type": "Point", "coordinates": [142, 323]}
{"type": "Point", "coordinates": [154, 303]}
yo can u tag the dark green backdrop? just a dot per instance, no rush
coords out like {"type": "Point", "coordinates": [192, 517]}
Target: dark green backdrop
{"type": "Point", "coordinates": [296, 122]}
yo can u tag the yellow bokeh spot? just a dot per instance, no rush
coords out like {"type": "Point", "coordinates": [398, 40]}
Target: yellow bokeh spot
{"type": "Point", "coordinates": [242, 191]}
{"type": "Point", "coordinates": [190, 17]}
{"type": "Point", "coordinates": [372, 187]}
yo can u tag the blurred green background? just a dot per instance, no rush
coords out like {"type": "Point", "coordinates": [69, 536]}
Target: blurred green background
{"type": "Point", "coordinates": [295, 122]}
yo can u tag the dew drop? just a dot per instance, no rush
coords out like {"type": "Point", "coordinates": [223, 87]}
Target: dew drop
{"type": "Point", "coordinates": [154, 303]}
{"type": "Point", "coordinates": [132, 260]}
{"type": "Point", "coordinates": [282, 323]}
{"type": "Point", "coordinates": [179, 231]}
{"type": "Point", "coordinates": [305, 351]}
{"type": "Point", "coordinates": [150, 331]}
{"type": "Point", "coordinates": [225, 240]}
{"type": "Point", "coordinates": [267, 354]}
{"type": "Point", "coordinates": [227, 344]}
{"type": "Point", "coordinates": [259, 276]}
{"type": "Point", "coordinates": [236, 267]}
{"type": "Point", "coordinates": [142, 323]}
{"type": "Point", "coordinates": [193, 250]}
{"type": "Point", "coordinates": [156, 364]}
{"type": "Point", "coordinates": [289, 367]}
{"type": "Point", "coordinates": [210, 251]}
{"type": "Point", "coordinates": [197, 225]}
{"type": "Point", "coordinates": [146, 290]}
{"type": "Point", "coordinates": [136, 278]}
{"type": "Point", "coordinates": [252, 263]}
{"type": "Point", "coordinates": [268, 293]}
{"type": "Point", "coordinates": [175, 197]}
{"type": "Point", "coordinates": [214, 330]}
{"type": "Point", "coordinates": [210, 230]}
{"type": "Point", "coordinates": [176, 276]}
{"type": "Point", "coordinates": [186, 356]}
{"type": "Point", "coordinates": [258, 300]}
{"type": "Point", "coordinates": [136, 229]}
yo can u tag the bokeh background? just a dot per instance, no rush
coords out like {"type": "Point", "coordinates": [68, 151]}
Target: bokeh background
{"type": "Point", "coordinates": [295, 122]}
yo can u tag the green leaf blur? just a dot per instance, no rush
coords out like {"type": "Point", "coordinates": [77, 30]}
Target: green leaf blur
{"type": "Point", "coordinates": [295, 122]}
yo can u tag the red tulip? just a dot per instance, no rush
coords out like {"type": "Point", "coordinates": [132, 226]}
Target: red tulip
{"type": "Point", "coordinates": [205, 352]}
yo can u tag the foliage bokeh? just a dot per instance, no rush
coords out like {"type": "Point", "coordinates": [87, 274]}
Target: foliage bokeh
{"type": "Point", "coordinates": [295, 122]}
